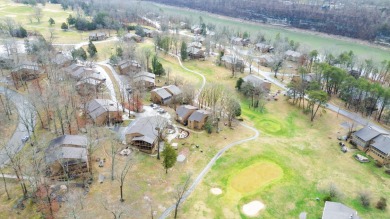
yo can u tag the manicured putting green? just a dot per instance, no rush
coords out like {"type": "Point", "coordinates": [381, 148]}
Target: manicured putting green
{"type": "Point", "coordinates": [255, 176]}
{"type": "Point", "coordinates": [271, 126]}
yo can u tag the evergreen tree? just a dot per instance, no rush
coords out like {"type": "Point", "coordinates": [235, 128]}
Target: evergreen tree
{"type": "Point", "coordinates": [183, 51]}
{"type": "Point", "coordinates": [91, 49]}
{"type": "Point", "coordinates": [51, 21]}
{"type": "Point", "coordinates": [170, 155]}
{"type": "Point", "coordinates": [64, 26]}
{"type": "Point", "coordinates": [157, 66]}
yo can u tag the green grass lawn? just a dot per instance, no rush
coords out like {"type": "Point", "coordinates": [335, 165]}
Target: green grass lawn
{"type": "Point", "coordinates": [22, 13]}
{"type": "Point", "coordinates": [308, 154]}
{"type": "Point", "coordinates": [310, 160]}
{"type": "Point", "coordinates": [312, 40]}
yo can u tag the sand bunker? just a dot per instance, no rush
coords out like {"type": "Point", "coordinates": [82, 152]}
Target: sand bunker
{"type": "Point", "coordinates": [252, 208]}
{"type": "Point", "coordinates": [216, 191]}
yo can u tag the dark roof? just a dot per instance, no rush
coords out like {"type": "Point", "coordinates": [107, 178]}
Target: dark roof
{"type": "Point", "coordinates": [293, 53]}
{"type": "Point", "coordinates": [61, 59]}
{"type": "Point", "coordinates": [164, 94]}
{"type": "Point", "coordinates": [144, 78]}
{"type": "Point", "coordinates": [182, 110]}
{"type": "Point", "coordinates": [231, 59]}
{"type": "Point", "coordinates": [146, 127]}
{"type": "Point", "coordinates": [199, 115]}
{"type": "Point", "coordinates": [126, 63]}
{"type": "Point", "coordinates": [97, 107]}
{"type": "Point", "coordinates": [367, 133]}
{"type": "Point", "coordinates": [77, 140]}
{"type": "Point", "coordinates": [382, 143]}
{"type": "Point", "coordinates": [335, 210]}
{"type": "Point", "coordinates": [66, 153]}
{"type": "Point", "coordinates": [145, 74]}
{"type": "Point", "coordinates": [27, 66]}
{"type": "Point", "coordinates": [67, 147]}
{"type": "Point", "coordinates": [263, 46]}
{"type": "Point", "coordinates": [255, 80]}
{"type": "Point", "coordinates": [173, 89]}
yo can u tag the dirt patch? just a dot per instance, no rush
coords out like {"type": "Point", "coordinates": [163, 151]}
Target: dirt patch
{"type": "Point", "coordinates": [253, 208]}
{"type": "Point", "coordinates": [216, 191]}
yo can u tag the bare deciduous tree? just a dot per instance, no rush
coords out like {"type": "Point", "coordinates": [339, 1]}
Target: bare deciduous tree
{"type": "Point", "coordinates": [180, 192]}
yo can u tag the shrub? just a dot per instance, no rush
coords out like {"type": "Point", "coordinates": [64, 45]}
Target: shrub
{"type": "Point", "coordinates": [378, 164]}
{"type": "Point", "coordinates": [327, 198]}
{"type": "Point", "coordinates": [333, 191]}
{"type": "Point", "coordinates": [381, 204]}
{"type": "Point", "coordinates": [364, 199]}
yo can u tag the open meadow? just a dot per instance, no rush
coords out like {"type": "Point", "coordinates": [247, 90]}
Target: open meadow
{"type": "Point", "coordinates": [24, 15]}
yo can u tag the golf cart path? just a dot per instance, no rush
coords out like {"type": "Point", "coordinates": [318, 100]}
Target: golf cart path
{"type": "Point", "coordinates": [207, 168]}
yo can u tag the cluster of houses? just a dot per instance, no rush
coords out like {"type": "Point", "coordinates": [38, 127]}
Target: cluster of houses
{"type": "Point", "coordinates": [374, 142]}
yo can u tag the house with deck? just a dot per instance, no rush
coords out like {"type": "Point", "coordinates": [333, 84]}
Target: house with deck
{"type": "Point", "coordinates": [256, 81]}
{"type": "Point", "coordinates": [146, 79]}
{"type": "Point", "coordinates": [195, 53]}
{"type": "Point", "coordinates": [293, 56]}
{"type": "Point", "coordinates": [26, 71]}
{"type": "Point", "coordinates": [365, 136]}
{"type": "Point", "coordinates": [98, 36]}
{"type": "Point", "coordinates": [379, 149]}
{"type": "Point", "coordinates": [198, 119]}
{"type": "Point", "coordinates": [129, 67]}
{"type": "Point", "coordinates": [143, 133]}
{"type": "Point", "coordinates": [184, 112]}
{"type": "Point", "coordinates": [67, 157]}
{"type": "Point", "coordinates": [90, 86]}
{"type": "Point", "coordinates": [230, 61]}
{"type": "Point", "coordinates": [266, 60]}
{"type": "Point", "coordinates": [132, 37]}
{"type": "Point", "coordinates": [104, 111]}
{"type": "Point", "coordinates": [264, 48]}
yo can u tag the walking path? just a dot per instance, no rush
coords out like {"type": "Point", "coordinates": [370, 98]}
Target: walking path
{"type": "Point", "coordinates": [205, 170]}
{"type": "Point", "coordinates": [202, 174]}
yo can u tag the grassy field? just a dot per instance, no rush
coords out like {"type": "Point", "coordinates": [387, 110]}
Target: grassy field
{"type": "Point", "coordinates": [310, 39]}
{"type": "Point", "coordinates": [23, 13]}
{"type": "Point", "coordinates": [310, 160]}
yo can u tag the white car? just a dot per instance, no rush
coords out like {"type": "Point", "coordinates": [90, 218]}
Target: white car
{"type": "Point", "coordinates": [25, 138]}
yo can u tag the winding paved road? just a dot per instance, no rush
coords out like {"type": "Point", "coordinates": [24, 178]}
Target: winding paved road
{"type": "Point", "coordinates": [25, 110]}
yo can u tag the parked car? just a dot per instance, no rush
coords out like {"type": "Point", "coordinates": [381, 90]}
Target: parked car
{"type": "Point", "coordinates": [25, 138]}
{"type": "Point", "coordinates": [161, 110]}
{"type": "Point", "coordinates": [344, 149]}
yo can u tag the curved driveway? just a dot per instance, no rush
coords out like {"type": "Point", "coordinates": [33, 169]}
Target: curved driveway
{"type": "Point", "coordinates": [25, 111]}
